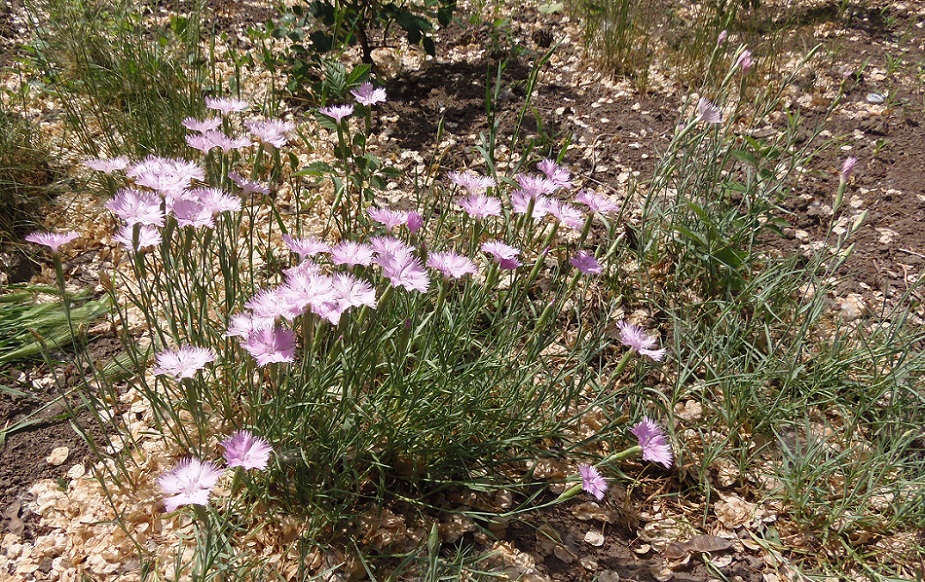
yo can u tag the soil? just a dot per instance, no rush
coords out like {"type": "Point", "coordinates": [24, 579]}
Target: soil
{"type": "Point", "coordinates": [627, 131]}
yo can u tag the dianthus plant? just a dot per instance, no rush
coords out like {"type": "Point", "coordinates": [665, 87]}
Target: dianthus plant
{"type": "Point", "coordinates": [428, 341]}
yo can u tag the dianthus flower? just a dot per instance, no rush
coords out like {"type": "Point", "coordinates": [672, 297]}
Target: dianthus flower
{"type": "Point", "coordinates": [555, 173]}
{"type": "Point", "coordinates": [385, 246]}
{"type": "Point", "coordinates": [707, 112]}
{"type": "Point", "coordinates": [136, 207]}
{"type": "Point", "coordinates": [202, 125]}
{"type": "Point", "coordinates": [654, 443]}
{"type": "Point", "coordinates": [567, 214]}
{"type": "Point", "coordinates": [745, 62]}
{"type": "Point", "coordinates": [352, 253]}
{"type": "Point", "coordinates": [183, 362]}
{"type": "Point", "coordinates": [108, 166]}
{"type": "Point", "coordinates": [633, 337]}
{"type": "Point", "coordinates": [534, 186]}
{"type": "Point", "coordinates": [387, 217]}
{"type": "Point", "coordinates": [480, 206]}
{"type": "Point", "coordinates": [586, 263]}
{"type": "Point", "coordinates": [306, 247]}
{"type": "Point", "coordinates": [271, 345]}
{"type": "Point", "coordinates": [505, 255]}
{"type": "Point", "coordinates": [248, 186]}
{"type": "Point", "coordinates": [473, 183]}
{"type": "Point", "coordinates": [368, 95]}
{"type": "Point", "coordinates": [226, 106]}
{"type": "Point", "coordinates": [414, 222]}
{"type": "Point", "coordinates": [189, 483]}
{"type": "Point", "coordinates": [403, 269]}
{"type": "Point", "coordinates": [271, 131]}
{"type": "Point", "coordinates": [337, 112]}
{"type": "Point", "coordinates": [243, 449]}
{"type": "Point", "coordinates": [452, 265]}
{"type": "Point", "coordinates": [592, 482]}
{"type": "Point", "coordinates": [520, 203]}
{"type": "Point", "coordinates": [148, 236]}
{"type": "Point", "coordinates": [350, 291]}
{"type": "Point", "coordinates": [597, 203]}
{"type": "Point", "coordinates": [52, 240]}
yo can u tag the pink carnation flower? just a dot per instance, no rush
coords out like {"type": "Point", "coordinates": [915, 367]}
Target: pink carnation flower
{"type": "Point", "coordinates": [368, 95]}
{"type": "Point", "coordinates": [592, 482]}
{"type": "Point", "coordinates": [337, 112]}
{"type": "Point", "coordinates": [183, 362]}
{"type": "Point", "coordinates": [271, 345]}
{"type": "Point", "coordinates": [635, 338]}
{"type": "Point", "coordinates": [707, 112]}
{"type": "Point", "coordinates": [586, 263]}
{"type": "Point", "coordinates": [226, 106]}
{"type": "Point", "coordinates": [505, 255]}
{"type": "Point", "coordinates": [654, 443]}
{"type": "Point", "coordinates": [52, 240]}
{"type": "Point", "coordinates": [189, 483]}
{"type": "Point", "coordinates": [480, 206]}
{"type": "Point", "coordinates": [243, 449]}
{"type": "Point", "coordinates": [452, 265]}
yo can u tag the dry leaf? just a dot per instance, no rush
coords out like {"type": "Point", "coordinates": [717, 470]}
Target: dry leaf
{"type": "Point", "coordinates": [58, 456]}
{"type": "Point", "coordinates": [595, 538]}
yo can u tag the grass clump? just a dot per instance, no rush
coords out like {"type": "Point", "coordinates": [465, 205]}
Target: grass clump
{"type": "Point", "coordinates": [24, 173]}
{"type": "Point", "coordinates": [124, 84]}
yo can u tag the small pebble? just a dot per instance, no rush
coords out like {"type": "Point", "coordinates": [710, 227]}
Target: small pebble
{"type": "Point", "coordinates": [875, 98]}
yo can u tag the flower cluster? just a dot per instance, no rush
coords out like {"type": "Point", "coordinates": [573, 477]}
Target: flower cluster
{"type": "Point", "coordinates": [191, 481]}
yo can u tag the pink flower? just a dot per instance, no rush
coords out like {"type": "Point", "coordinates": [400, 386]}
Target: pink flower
{"type": "Point", "coordinates": [226, 106]}
{"type": "Point", "coordinates": [168, 176]}
{"type": "Point", "coordinates": [189, 483]}
{"type": "Point", "coordinates": [414, 222]}
{"type": "Point", "coordinates": [567, 214]}
{"type": "Point", "coordinates": [192, 213]}
{"type": "Point", "coordinates": [847, 168]}
{"type": "Point", "coordinates": [597, 203]}
{"type": "Point", "coordinates": [504, 254]}
{"type": "Point", "coordinates": [215, 201]}
{"type": "Point", "coordinates": [520, 203]}
{"type": "Point", "coordinates": [243, 449]}
{"type": "Point", "coordinates": [352, 292]}
{"type": "Point", "coordinates": [534, 186]}
{"type": "Point", "coordinates": [403, 269]}
{"type": "Point", "coordinates": [306, 247]}
{"type": "Point", "coordinates": [273, 304]}
{"type": "Point", "coordinates": [555, 173]}
{"type": "Point", "coordinates": [337, 112]}
{"type": "Point", "coordinates": [480, 206]}
{"type": "Point", "coordinates": [707, 112]}
{"type": "Point", "coordinates": [385, 246]}
{"type": "Point", "coordinates": [473, 183]}
{"type": "Point", "coordinates": [633, 337]}
{"type": "Point", "coordinates": [148, 236]}
{"type": "Point", "coordinates": [200, 142]}
{"type": "Point", "coordinates": [586, 263]}
{"type": "Point", "coordinates": [271, 131]}
{"type": "Point", "coordinates": [108, 166]}
{"type": "Point", "coordinates": [51, 240]}
{"type": "Point", "coordinates": [722, 37]}
{"type": "Point", "coordinates": [242, 324]}
{"type": "Point", "coordinates": [247, 186]}
{"type": "Point", "coordinates": [452, 265]}
{"type": "Point", "coordinates": [183, 362]}
{"type": "Point", "coordinates": [592, 482]}
{"type": "Point", "coordinates": [745, 61]}
{"type": "Point", "coordinates": [352, 253]}
{"type": "Point", "coordinates": [305, 287]}
{"type": "Point", "coordinates": [654, 443]}
{"type": "Point", "coordinates": [136, 207]}
{"type": "Point", "coordinates": [271, 345]}
{"type": "Point", "coordinates": [389, 218]}
{"type": "Point", "coordinates": [202, 125]}
{"type": "Point", "coordinates": [368, 95]}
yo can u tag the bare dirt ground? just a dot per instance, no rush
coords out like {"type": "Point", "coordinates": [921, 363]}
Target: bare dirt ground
{"type": "Point", "coordinates": [618, 132]}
